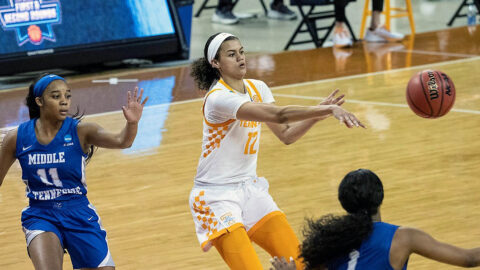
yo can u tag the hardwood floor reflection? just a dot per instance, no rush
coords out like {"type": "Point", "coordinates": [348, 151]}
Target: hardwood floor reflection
{"type": "Point", "coordinates": [275, 69]}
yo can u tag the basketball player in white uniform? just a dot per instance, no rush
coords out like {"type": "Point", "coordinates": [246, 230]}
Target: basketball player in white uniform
{"type": "Point", "coordinates": [230, 204]}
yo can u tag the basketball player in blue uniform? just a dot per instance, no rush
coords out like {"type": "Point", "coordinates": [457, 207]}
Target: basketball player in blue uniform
{"type": "Point", "coordinates": [361, 241]}
{"type": "Point", "coordinates": [52, 149]}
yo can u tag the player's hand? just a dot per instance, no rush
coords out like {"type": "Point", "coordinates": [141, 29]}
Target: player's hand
{"type": "Point", "coordinates": [134, 108]}
{"type": "Point", "coordinates": [346, 117]}
{"type": "Point", "coordinates": [282, 264]}
{"type": "Point", "coordinates": [332, 100]}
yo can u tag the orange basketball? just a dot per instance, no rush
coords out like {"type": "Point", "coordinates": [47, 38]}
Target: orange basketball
{"type": "Point", "coordinates": [34, 33]}
{"type": "Point", "coordinates": [430, 93]}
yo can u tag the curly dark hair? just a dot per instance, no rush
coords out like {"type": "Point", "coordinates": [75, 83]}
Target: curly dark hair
{"type": "Point", "coordinates": [34, 109]}
{"type": "Point", "coordinates": [332, 237]}
{"type": "Point", "coordinates": [202, 71]}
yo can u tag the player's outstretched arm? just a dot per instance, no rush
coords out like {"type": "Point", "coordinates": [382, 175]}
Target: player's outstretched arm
{"type": "Point", "coordinates": [410, 240]}
{"type": "Point", "coordinates": [93, 134]}
{"type": "Point", "coordinates": [7, 152]}
{"type": "Point", "coordinates": [290, 133]}
{"type": "Point", "coordinates": [263, 112]}
{"type": "Point", "coordinates": [289, 123]}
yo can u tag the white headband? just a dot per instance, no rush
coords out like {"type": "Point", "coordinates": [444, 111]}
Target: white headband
{"type": "Point", "coordinates": [215, 44]}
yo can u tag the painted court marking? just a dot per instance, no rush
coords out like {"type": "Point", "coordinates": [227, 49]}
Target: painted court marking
{"type": "Point", "coordinates": [426, 66]}
{"type": "Point", "coordinates": [114, 80]}
{"type": "Point", "coordinates": [324, 81]}
{"type": "Point", "coordinates": [470, 59]}
{"type": "Point", "coordinates": [374, 74]}
{"type": "Point", "coordinates": [435, 53]}
{"type": "Point", "coordinates": [386, 104]}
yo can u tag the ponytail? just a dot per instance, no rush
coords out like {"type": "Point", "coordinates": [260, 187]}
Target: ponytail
{"type": "Point", "coordinates": [204, 74]}
{"type": "Point", "coordinates": [33, 109]}
{"type": "Point", "coordinates": [332, 237]}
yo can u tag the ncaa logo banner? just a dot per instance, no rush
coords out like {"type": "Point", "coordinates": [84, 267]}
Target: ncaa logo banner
{"type": "Point", "coordinates": [31, 19]}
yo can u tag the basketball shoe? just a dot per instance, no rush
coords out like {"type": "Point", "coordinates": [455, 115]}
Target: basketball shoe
{"type": "Point", "coordinates": [381, 34]}
{"type": "Point", "coordinates": [281, 12]}
{"type": "Point", "coordinates": [224, 17]}
{"type": "Point", "coordinates": [341, 38]}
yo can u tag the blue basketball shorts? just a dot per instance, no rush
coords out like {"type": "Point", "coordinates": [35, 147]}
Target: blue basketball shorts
{"type": "Point", "coordinates": [77, 225]}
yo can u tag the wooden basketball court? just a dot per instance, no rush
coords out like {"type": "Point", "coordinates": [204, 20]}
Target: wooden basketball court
{"type": "Point", "coordinates": [429, 168]}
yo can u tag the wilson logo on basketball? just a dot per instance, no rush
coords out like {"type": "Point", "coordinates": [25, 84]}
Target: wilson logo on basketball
{"type": "Point", "coordinates": [432, 86]}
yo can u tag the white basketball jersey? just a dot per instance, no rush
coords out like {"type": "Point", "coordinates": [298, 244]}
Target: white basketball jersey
{"type": "Point", "coordinates": [230, 146]}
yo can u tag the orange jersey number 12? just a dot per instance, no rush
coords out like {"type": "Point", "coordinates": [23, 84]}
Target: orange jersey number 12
{"type": "Point", "coordinates": [252, 139]}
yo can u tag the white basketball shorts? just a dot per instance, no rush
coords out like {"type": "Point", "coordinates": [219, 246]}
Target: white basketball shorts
{"type": "Point", "coordinates": [218, 209]}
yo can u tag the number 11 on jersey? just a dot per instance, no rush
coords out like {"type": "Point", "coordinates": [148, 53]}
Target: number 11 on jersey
{"type": "Point", "coordinates": [252, 139]}
{"type": "Point", "coordinates": [53, 174]}
{"type": "Point", "coordinates": [352, 263]}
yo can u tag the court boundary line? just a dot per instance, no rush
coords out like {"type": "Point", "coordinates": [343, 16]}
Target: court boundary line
{"type": "Point", "coordinates": [456, 61]}
{"type": "Point", "coordinates": [376, 103]}
{"type": "Point", "coordinates": [149, 107]}
{"type": "Point", "coordinates": [435, 53]}
{"type": "Point", "coordinates": [315, 82]}
{"type": "Point", "coordinates": [328, 80]}
{"type": "Point", "coordinates": [155, 69]}
{"type": "Point", "coordinates": [119, 111]}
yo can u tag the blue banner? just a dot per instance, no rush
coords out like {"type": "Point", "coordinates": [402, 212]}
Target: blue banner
{"type": "Point", "coordinates": [31, 25]}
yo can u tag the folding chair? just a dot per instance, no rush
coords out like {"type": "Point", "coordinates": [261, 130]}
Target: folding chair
{"type": "Point", "coordinates": [465, 3]}
{"type": "Point", "coordinates": [310, 18]}
{"type": "Point", "coordinates": [205, 2]}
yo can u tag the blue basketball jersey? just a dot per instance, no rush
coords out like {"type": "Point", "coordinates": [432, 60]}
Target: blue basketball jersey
{"type": "Point", "coordinates": [56, 171]}
{"type": "Point", "coordinates": [373, 254]}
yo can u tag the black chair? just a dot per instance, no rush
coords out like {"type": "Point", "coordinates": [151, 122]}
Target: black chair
{"type": "Point", "coordinates": [205, 2]}
{"type": "Point", "coordinates": [465, 3]}
{"type": "Point", "coordinates": [310, 18]}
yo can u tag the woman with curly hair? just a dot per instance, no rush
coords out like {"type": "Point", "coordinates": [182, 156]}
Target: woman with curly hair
{"type": "Point", "coordinates": [229, 203]}
{"type": "Point", "coordinates": [360, 240]}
